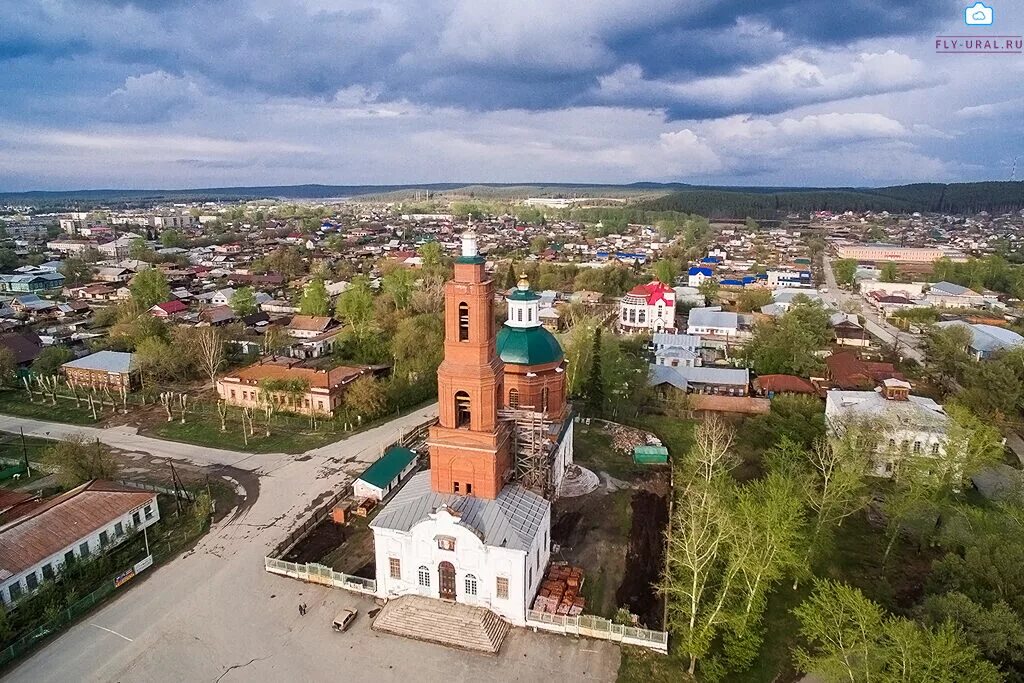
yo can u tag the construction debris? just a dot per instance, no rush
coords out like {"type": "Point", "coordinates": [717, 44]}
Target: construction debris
{"type": "Point", "coordinates": [560, 591]}
{"type": "Point", "coordinates": [625, 439]}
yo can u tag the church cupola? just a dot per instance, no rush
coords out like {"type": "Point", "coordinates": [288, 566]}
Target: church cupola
{"type": "Point", "coordinates": [523, 306]}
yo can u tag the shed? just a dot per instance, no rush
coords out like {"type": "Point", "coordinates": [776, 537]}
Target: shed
{"type": "Point", "coordinates": [650, 455]}
{"type": "Point", "coordinates": [380, 478]}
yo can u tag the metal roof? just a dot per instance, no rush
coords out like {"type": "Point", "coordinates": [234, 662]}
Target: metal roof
{"type": "Point", "coordinates": [987, 338]}
{"type": "Point", "coordinates": [713, 316]}
{"type": "Point", "coordinates": [388, 467]}
{"type": "Point", "coordinates": [63, 521]}
{"type": "Point", "coordinates": [512, 520]}
{"type": "Point", "coordinates": [104, 361]}
{"type": "Point", "coordinates": [528, 346]}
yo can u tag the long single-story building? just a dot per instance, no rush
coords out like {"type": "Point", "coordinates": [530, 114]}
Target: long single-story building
{"type": "Point", "coordinates": [380, 478]}
{"type": "Point", "coordinates": [41, 536]}
{"type": "Point", "coordinates": [114, 369]}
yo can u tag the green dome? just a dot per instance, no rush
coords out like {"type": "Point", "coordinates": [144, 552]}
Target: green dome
{"type": "Point", "coordinates": [528, 346]}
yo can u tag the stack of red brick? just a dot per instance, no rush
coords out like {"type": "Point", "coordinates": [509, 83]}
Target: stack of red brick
{"type": "Point", "coordinates": [560, 591]}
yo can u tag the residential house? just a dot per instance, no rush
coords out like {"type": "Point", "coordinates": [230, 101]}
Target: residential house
{"type": "Point", "coordinates": [168, 309]}
{"type": "Point", "coordinates": [676, 350]}
{"type": "Point", "coordinates": [315, 336]}
{"type": "Point", "coordinates": [698, 274]}
{"type": "Point", "coordinates": [701, 380]}
{"type": "Point", "coordinates": [111, 369]}
{"type": "Point", "coordinates": [713, 321]}
{"type": "Point", "coordinates": [773, 385]}
{"type": "Point", "coordinates": [38, 538]}
{"type": "Point", "coordinates": [25, 346]}
{"type": "Point", "coordinates": [846, 370]}
{"type": "Point", "coordinates": [848, 330]}
{"type": "Point", "coordinates": [34, 282]}
{"type": "Point", "coordinates": [650, 307]}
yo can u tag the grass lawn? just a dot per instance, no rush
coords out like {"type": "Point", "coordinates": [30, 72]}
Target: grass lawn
{"type": "Point", "coordinates": [675, 433]}
{"type": "Point", "coordinates": [640, 665]}
{"type": "Point", "coordinates": [592, 448]}
{"type": "Point", "coordinates": [16, 403]}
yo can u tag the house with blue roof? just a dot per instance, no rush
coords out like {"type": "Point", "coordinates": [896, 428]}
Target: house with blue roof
{"type": "Point", "coordinates": [698, 274]}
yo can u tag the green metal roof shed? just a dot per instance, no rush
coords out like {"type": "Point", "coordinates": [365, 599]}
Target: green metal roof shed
{"type": "Point", "coordinates": [650, 455]}
{"type": "Point", "coordinates": [383, 472]}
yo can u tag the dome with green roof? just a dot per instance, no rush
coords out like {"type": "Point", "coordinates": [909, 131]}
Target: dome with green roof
{"type": "Point", "coordinates": [528, 346]}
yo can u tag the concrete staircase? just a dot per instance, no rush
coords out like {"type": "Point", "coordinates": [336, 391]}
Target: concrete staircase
{"type": "Point", "coordinates": [447, 623]}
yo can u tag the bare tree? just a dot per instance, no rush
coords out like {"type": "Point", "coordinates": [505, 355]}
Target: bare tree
{"type": "Point", "coordinates": [711, 453]}
{"type": "Point", "coordinates": [209, 346]}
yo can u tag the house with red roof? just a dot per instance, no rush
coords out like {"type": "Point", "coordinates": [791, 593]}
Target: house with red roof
{"type": "Point", "coordinates": [648, 308]}
{"type": "Point", "coordinates": [168, 309]}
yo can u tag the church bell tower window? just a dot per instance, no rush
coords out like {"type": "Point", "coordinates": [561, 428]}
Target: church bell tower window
{"type": "Point", "coordinates": [463, 322]}
{"type": "Point", "coordinates": [462, 412]}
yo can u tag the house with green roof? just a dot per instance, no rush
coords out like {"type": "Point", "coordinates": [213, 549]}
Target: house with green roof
{"type": "Point", "coordinates": [380, 478]}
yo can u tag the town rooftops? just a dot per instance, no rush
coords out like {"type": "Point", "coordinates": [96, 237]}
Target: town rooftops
{"type": "Point", "coordinates": [287, 369]}
{"type": "Point", "coordinates": [105, 361]}
{"type": "Point", "coordinates": [987, 338]}
{"type": "Point", "coordinates": [653, 292]}
{"type": "Point", "coordinates": [786, 384]}
{"type": "Point", "coordinates": [61, 521]}
{"type": "Point", "coordinates": [916, 411]}
{"type": "Point", "coordinates": [713, 317]}
{"type": "Point", "coordinates": [389, 466]}
{"type": "Point", "coordinates": [512, 520]}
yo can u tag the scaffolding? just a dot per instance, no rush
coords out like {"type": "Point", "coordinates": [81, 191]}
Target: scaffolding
{"type": "Point", "coordinates": [532, 448]}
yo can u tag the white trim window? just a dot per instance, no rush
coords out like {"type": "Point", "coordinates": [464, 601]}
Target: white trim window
{"type": "Point", "coordinates": [471, 584]}
{"type": "Point", "coordinates": [423, 574]}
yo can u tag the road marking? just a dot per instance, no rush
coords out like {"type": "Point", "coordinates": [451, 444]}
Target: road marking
{"type": "Point", "coordinates": [103, 628]}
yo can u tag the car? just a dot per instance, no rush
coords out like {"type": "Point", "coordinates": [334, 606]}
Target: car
{"type": "Point", "coordinates": [344, 619]}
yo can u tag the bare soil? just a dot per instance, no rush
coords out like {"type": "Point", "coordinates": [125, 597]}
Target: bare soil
{"type": "Point", "coordinates": [645, 558]}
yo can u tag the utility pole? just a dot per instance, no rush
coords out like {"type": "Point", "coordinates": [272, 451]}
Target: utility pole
{"type": "Point", "coordinates": [24, 453]}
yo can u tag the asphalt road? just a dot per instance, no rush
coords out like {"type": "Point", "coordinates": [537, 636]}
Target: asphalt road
{"type": "Point", "coordinates": [909, 344]}
{"type": "Point", "coordinates": [214, 614]}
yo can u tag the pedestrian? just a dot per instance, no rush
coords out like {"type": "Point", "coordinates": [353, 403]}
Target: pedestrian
{"type": "Point", "coordinates": [302, 610]}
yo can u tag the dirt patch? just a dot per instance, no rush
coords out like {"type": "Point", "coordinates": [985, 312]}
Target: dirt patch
{"type": "Point", "coordinates": [344, 548]}
{"type": "Point", "coordinates": [325, 537]}
{"type": "Point", "coordinates": [645, 557]}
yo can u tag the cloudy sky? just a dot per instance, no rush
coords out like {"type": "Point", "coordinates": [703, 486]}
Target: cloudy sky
{"type": "Point", "coordinates": [174, 93]}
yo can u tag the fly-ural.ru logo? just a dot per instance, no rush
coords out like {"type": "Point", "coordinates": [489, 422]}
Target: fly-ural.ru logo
{"type": "Point", "coordinates": [978, 17]}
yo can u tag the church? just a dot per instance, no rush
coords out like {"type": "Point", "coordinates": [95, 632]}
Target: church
{"type": "Point", "coordinates": [476, 527]}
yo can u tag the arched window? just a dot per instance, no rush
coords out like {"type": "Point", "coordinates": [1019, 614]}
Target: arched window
{"type": "Point", "coordinates": [544, 400]}
{"type": "Point", "coordinates": [462, 412]}
{"type": "Point", "coordinates": [424, 576]}
{"type": "Point", "coordinates": [463, 322]}
{"type": "Point", "coordinates": [470, 584]}
{"type": "Point", "coordinates": [632, 315]}
{"type": "Point", "coordinates": [513, 398]}
{"type": "Point", "coordinates": [642, 318]}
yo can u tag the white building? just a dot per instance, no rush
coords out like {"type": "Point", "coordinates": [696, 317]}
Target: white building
{"type": "Point", "coordinates": [713, 321]}
{"type": "Point", "coordinates": [648, 308]}
{"type": "Point", "coordinates": [381, 478]}
{"type": "Point", "coordinates": [698, 274]}
{"type": "Point", "coordinates": [950, 295]}
{"type": "Point", "coordinates": [81, 523]}
{"type": "Point", "coordinates": [490, 553]}
{"type": "Point", "coordinates": [914, 425]}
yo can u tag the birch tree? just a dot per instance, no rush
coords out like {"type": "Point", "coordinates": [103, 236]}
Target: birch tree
{"type": "Point", "coordinates": [209, 346]}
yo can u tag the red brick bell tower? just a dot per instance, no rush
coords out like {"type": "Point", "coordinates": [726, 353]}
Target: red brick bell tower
{"type": "Point", "coordinates": [469, 448]}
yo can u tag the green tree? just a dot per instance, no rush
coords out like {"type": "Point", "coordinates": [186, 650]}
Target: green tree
{"type": "Point", "coordinates": [366, 397]}
{"type": "Point", "coordinates": [8, 259]}
{"type": "Point", "coordinates": [595, 382]}
{"type": "Point", "coordinates": [172, 238]}
{"type": "Point", "coordinates": [751, 224]}
{"type": "Point", "coordinates": [398, 284]}
{"type": "Point", "coordinates": [845, 271]}
{"type": "Point", "coordinates": [946, 350]}
{"type": "Point", "coordinates": [315, 299]}
{"type": "Point", "coordinates": [995, 629]}
{"type": "Point", "coordinates": [890, 272]}
{"type": "Point", "coordinates": [432, 255]}
{"type": "Point", "coordinates": [149, 287]}
{"type": "Point", "coordinates": [789, 345]}
{"type": "Point", "coordinates": [355, 307]}
{"type": "Point", "coordinates": [50, 359]}
{"type": "Point", "coordinates": [418, 346]}
{"type": "Point", "coordinates": [77, 460]}
{"type": "Point", "coordinates": [753, 299]}
{"type": "Point", "coordinates": [243, 301]}
{"type": "Point", "coordinates": [139, 250]}
{"type": "Point", "coordinates": [709, 289]}
{"type": "Point", "coordinates": [76, 271]}
{"type": "Point", "coordinates": [8, 366]}
{"type": "Point", "coordinates": [666, 272]}
{"type": "Point", "coordinates": [538, 244]}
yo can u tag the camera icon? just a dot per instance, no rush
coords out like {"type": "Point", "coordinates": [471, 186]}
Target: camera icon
{"type": "Point", "coordinates": [978, 14]}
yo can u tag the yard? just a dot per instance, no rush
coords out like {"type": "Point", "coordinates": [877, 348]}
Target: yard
{"type": "Point", "coordinates": [16, 402]}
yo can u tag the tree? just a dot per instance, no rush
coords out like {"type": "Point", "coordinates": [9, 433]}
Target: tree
{"type": "Point", "coordinates": [845, 271]}
{"type": "Point", "coordinates": [355, 307]}
{"type": "Point", "coordinates": [594, 390]}
{"type": "Point", "coordinates": [418, 346]}
{"type": "Point", "coordinates": [50, 359]}
{"type": "Point", "coordinates": [666, 272]}
{"type": "Point", "coordinates": [946, 349]}
{"type": "Point", "coordinates": [709, 290]}
{"type": "Point", "coordinates": [538, 244]}
{"type": "Point", "coordinates": [8, 365]}
{"type": "Point", "coordinates": [76, 271]}
{"type": "Point", "coordinates": [243, 301]}
{"type": "Point", "coordinates": [890, 272]}
{"type": "Point", "coordinates": [995, 629]}
{"type": "Point", "coordinates": [366, 397]}
{"type": "Point", "coordinates": [753, 300]}
{"type": "Point", "coordinates": [139, 250]}
{"type": "Point", "coordinates": [511, 277]}
{"type": "Point", "coordinates": [851, 639]}
{"type": "Point", "coordinates": [172, 238]}
{"type": "Point", "coordinates": [149, 287]}
{"type": "Point", "coordinates": [432, 255]}
{"type": "Point", "coordinates": [209, 346]}
{"type": "Point", "coordinates": [315, 299]}
{"type": "Point", "coordinates": [751, 224]}
{"type": "Point", "coordinates": [8, 259]}
{"type": "Point", "coordinates": [789, 345]}
{"type": "Point", "coordinates": [398, 284]}
{"type": "Point", "coordinates": [77, 461]}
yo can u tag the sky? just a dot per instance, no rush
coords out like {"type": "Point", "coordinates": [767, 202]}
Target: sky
{"type": "Point", "coordinates": [179, 94]}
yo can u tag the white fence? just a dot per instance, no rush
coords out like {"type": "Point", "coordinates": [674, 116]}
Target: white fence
{"type": "Point", "coordinates": [318, 573]}
{"type": "Point", "coordinates": [597, 627]}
